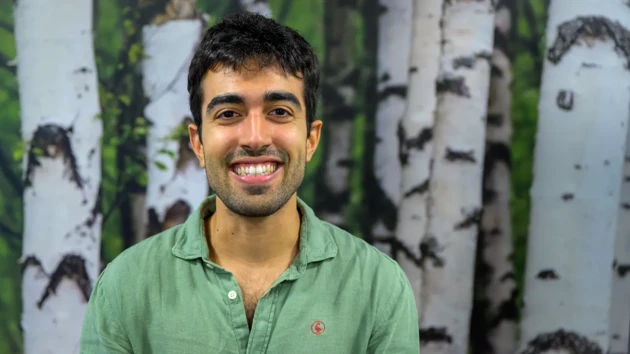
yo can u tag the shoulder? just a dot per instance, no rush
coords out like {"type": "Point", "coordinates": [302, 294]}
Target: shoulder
{"type": "Point", "coordinates": [137, 262]}
{"type": "Point", "coordinates": [354, 251]}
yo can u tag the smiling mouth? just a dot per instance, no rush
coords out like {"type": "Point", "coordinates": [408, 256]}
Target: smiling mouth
{"type": "Point", "coordinates": [258, 169]}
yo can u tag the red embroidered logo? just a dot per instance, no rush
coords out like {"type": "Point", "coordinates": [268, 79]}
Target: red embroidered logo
{"type": "Point", "coordinates": [318, 327]}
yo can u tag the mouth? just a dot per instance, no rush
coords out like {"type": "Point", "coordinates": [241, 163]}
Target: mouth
{"type": "Point", "coordinates": [255, 173]}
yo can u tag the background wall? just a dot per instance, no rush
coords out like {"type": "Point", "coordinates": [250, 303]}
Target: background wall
{"type": "Point", "coordinates": [119, 52]}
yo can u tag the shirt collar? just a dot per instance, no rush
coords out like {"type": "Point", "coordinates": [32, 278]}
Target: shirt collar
{"type": "Point", "coordinates": [316, 241]}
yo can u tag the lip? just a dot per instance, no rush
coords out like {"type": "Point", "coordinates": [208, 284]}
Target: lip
{"type": "Point", "coordinates": [256, 180]}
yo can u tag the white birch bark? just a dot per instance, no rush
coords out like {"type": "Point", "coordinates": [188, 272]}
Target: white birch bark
{"type": "Point", "coordinates": [416, 137]}
{"type": "Point", "coordinates": [59, 106]}
{"type": "Point", "coordinates": [578, 165]}
{"type": "Point", "coordinates": [257, 6]}
{"type": "Point", "coordinates": [620, 303]}
{"type": "Point", "coordinates": [394, 47]}
{"type": "Point", "coordinates": [175, 182]}
{"type": "Point", "coordinates": [496, 227]}
{"type": "Point", "coordinates": [455, 187]}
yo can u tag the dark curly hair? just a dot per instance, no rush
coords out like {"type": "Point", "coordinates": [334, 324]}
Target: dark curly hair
{"type": "Point", "coordinates": [247, 37]}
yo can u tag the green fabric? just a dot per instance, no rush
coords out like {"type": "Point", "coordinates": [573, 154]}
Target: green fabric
{"type": "Point", "coordinates": [163, 295]}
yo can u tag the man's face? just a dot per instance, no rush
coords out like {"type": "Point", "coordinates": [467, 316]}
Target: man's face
{"type": "Point", "coordinates": [255, 146]}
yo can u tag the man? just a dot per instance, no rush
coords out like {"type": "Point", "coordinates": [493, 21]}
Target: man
{"type": "Point", "coordinates": [252, 270]}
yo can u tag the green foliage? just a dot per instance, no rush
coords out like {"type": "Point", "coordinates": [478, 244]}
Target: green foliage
{"type": "Point", "coordinates": [11, 151]}
{"type": "Point", "coordinates": [528, 49]}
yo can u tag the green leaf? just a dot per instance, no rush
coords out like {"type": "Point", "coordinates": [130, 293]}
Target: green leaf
{"type": "Point", "coordinates": [140, 121]}
{"type": "Point", "coordinates": [37, 151]}
{"type": "Point", "coordinates": [18, 152]}
{"type": "Point", "coordinates": [124, 99]}
{"type": "Point", "coordinates": [160, 165]}
{"type": "Point", "coordinates": [140, 132]}
{"type": "Point", "coordinates": [129, 26]}
{"type": "Point", "coordinates": [168, 152]}
{"type": "Point", "coordinates": [142, 180]}
{"type": "Point", "coordinates": [135, 53]}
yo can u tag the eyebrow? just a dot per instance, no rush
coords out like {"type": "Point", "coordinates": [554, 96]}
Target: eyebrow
{"type": "Point", "coordinates": [270, 96]}
{"type": "Point", "coordinates": [275, 96]}
{"type": "Point", "coordinates": [228, 98]}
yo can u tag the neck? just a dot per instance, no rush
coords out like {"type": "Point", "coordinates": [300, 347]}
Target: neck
{"type": "Point", "coordinates": [254, 241]}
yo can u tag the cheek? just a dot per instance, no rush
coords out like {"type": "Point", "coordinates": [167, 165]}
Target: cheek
{"type": "Point", "coordinates": [217, 142]}
{"type": "Point", "coordinates": [291, 142]}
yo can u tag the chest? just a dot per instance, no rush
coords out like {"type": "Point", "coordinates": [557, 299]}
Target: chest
{"type": "Point", "coordinates": [253, 286]}
{"type": "Point", "coordinates": [210, 316]}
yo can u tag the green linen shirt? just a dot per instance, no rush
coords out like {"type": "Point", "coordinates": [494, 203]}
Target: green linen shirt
{"type": "Point", "coordinates": [164, 296]}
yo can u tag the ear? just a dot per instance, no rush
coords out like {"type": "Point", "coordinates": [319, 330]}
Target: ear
{"type": "Point", "coordinates": [313, 139]}
{"type": "Point", "coordinates": [195, 143]}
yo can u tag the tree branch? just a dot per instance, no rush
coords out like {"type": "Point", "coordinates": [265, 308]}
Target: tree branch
{"type": "Point", "coordinates": [14, 180]}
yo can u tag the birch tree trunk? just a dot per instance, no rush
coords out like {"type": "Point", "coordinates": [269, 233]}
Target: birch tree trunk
{"type": "Point", "coordinates": [456, 180]}
{"type": "Point", "coordinates": [496, 329]}
{"type": "Point", "coordinates": [620, 308]}
{"type": "Point", "coordinates": [415, 135]}
{"type": "Point", "coordinates": [578, 165]}
{"type": "Point", "coordinates": [176, 184]}
{"type": "Point", "coordinates": [257, 6]}
{"type": "Point", "coordinates": [394, 47]}
{"type": "Point", "coordinates": [341, 79]}
{"type": "Point", "coordinates": [59, 106]}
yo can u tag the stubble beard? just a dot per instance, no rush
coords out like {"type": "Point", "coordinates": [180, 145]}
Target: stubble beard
{"type": "Point", "coordinates": [255, 201]}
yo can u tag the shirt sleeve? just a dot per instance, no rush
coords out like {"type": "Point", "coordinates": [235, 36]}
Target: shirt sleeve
{"type": "Point", "coordinates": [102, 332]}
{"type": "Point", "coordinates": [396, 329]}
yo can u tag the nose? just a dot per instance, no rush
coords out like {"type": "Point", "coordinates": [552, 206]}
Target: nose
{"type": "Point", "coordinates": [255, 131]}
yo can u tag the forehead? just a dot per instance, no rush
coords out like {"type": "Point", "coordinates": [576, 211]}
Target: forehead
{"type": "Point", "coordinates": [252, 84]}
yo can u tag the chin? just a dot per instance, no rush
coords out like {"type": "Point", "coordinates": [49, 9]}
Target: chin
{"type": "Point", "coordinates": [253, 210]}
{"type": "Point", "coordinates": [257, 190]}
{"type": "Point", "coordinates": [255, 201]}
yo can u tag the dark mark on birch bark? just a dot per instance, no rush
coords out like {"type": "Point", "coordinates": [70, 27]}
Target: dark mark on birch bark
{"type": "Point", "coordinates": [592, 27]}
{"type": "Point", "coordinates": [564, 100]}
{"type": "Point", "coordinates": [572, 342]}
{"type": "Point", "coordinates": [547, 274]}
{"type": "Point", "coordinates": [72, 266]}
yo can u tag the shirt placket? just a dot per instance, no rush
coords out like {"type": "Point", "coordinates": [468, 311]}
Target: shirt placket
{"type": "Point", "coordinates": [233, 297]}
{"type": "Point", "coordinates": [264, 315]}
{"type": "Point", "coordinates": [263, 321]}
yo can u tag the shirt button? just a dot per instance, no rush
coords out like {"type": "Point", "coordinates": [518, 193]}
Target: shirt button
{"type": "Point", "coordinates": [232, 295]}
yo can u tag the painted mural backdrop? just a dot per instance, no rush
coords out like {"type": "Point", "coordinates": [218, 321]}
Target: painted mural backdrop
{"type": "Point", "coordinates": [481, 144]}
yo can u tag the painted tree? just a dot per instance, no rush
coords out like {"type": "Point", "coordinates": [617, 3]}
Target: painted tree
{"type": "Point", "coordinates": [578, 165]}
{"type": "Point", "coordinates": [340, 81]}
{"type": "Point", "coordinates": [175, 182]}
{"type": "Point", "coordinates": [456, 179]}
{"type": "Point", "coordinates": [493, 326]}
{"type": "Point", "coordinates": [392, 75]}
{"type": "Point", "coordinates": [59, 106]}
{"type": "Point", "coordinates": [619, 309]}
{"type": "Point", "coordinates": [415, 134]}
{"type": "Point", "coordinates": [258, 6]}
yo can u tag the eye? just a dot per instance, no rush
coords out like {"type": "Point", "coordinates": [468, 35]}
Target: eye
{"type": "Point", "coordinates": [227, 115]}
{"type": "Point", "coordinates": [280, 112]}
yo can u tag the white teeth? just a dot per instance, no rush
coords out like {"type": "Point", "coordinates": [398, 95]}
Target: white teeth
{"type": "Point", "coordinates": [256, 170]}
